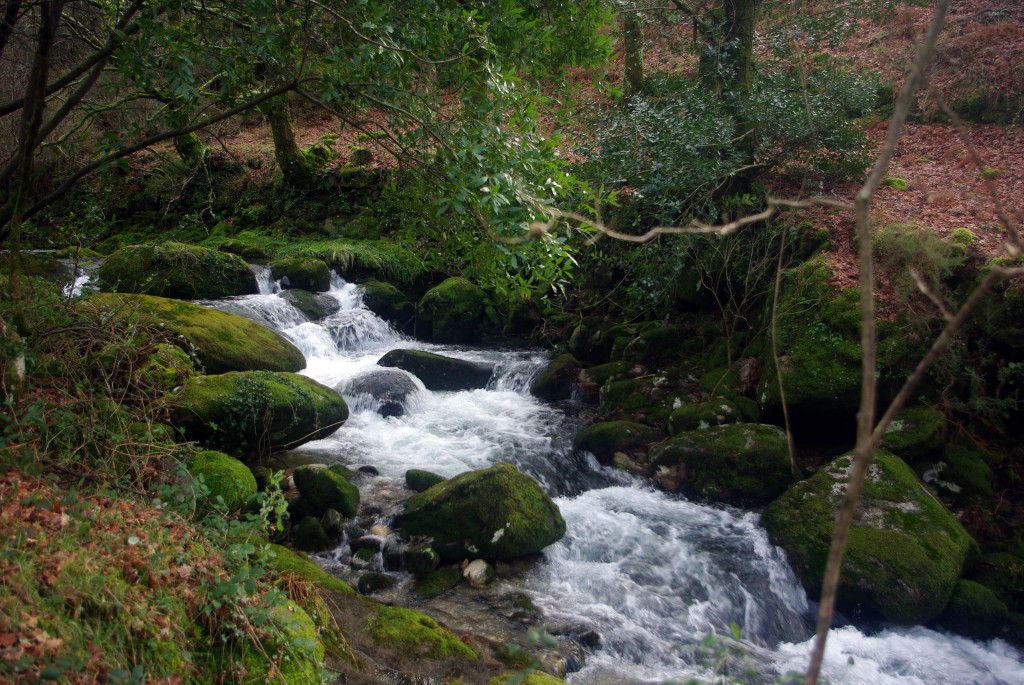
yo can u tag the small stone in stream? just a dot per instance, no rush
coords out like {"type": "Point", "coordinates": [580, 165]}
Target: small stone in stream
{"type": "Point", "coordinates": [363, 559]}
{"type": "Point", "coordinates": [368, 542]}
{"type": "Point", "coordinates": [479, 573]}
{"type": "Point", "coordinates": [420, 560]}
{"type": "Point", "coordinates": [371, 510]}
{"type": "Point", "coordinates": [591, 638]}
{"type": "Point", "coordinates": [371, 470]}
{"type": "Point", "coordinates": [380, 529]}
{"type": "Point", "coordinates": [369, 583]}
{"type": "Point", "coordinates": [331, 521]}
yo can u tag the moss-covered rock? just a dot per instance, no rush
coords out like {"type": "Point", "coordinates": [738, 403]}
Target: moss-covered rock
{"type": "Point", "coordinates": [534, 678]}
{"type": "Point", "coordinates": [557, 380]}
{"type": "Point", "coordinates": [820, 362]}
{"type": "Point", "coordinates": [494, 513]}
{"type": "Point", "coordinates": [285, 561]}
{"type": "Point", "coordinates": [655, 344]}
{"type": "Point", "coordinates": [438, 582]}
{"type": "Point", "coordinates": [221, 341]}
{"type": "Point", "coordinates": [644, 397]}
{"type": "Point", "coordinates": [717, 412]}
{"type": "Point", "coordinates": [603, 440]}
{"type": "Point", "coordinates": [167, 367]}
{"type": "Point", "coordinates": [326, 489]}
{"type": "Point", "coordinates": [314, 305]}
{"type": "Point", "coordinates": [437, 371]}
{"type": "Point", "coordinates": [743, 464]}
{"type": "Point", "coordinates": [419, 480]}
{"type": "Point", "coordinates": [176, 270]}
{"type": "Point", "coordinates": [915, 432]}
{"type": "Point", "coordinates": [415, 634]}
{"type": "Point", "coordinates": [1003, 574]}
{"type": "Point", "coordinates": [373, 582]}
{"type": "Point", "coordinates": [974, 610]}
{"type": "Point", "coordinates": [961, 474]}
{"type": "Point", "coordinates": [248, 252]}
{"type": "Point", "coordinates": [388, 302]}
{"type": "Point", "coordinates": [310, 535]}
{"type": "Point", "coordinates": [451, 312]}
{"type": "Point", "coordinates": [290, 643]}
{"type": "Point", "coordinates": [904, 553]}
{"type": "Point", "coordinates": [255, 412]}
{"type": "Point", "coordinates": [305, 273]}
{"type": "Point", "coordinates": [228, 479]}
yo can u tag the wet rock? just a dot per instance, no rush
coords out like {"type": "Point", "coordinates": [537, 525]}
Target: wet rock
{"type": "Point", "coordinates": [974, 610]}
{"type": "Point", "coordinates": [905, 552]}
{"type": "Point", "coordinates": [176, 270]}
{"type": "Point", "coordinates": [699, 415]}
{"type": "Point", "coordinates": [420, 560]}
{"type": "Point", "coordinates": [557, 380]}
{"type": "Point", "coordinates": [494, 513]}
{"type": "Point", "coordinates": [314, 305]}
{"type": "Point", "coordinates": [592, 379]}
{"type": "Point", "coordinates": [478, 573]}
{"type": "Point", "coordinates": [368, 542]}
{"type": "Point", "coordinates": [738, 464]}
{"type": "Point", "coordinates": [419, 480]}
{"type": "Point", "coordinates": [438, 372]}
{"type": "Point", "coordinates": [451, 312]}
{"type": "Point", "coordinates": [369, 470]}
{"type": "Point", "coordinates": [370, 583]}
{"type": "Point", "coordinates": [304, 273]}
{"type": "Point", "coordinates": [436, 583]}
{"type": "Point", "coordinates": [326, 489]}
{"type": "Point", "coordinates": [332, 522]}
{"type": "Point", "coordinates": [363, 559]}
{"type": "Point", "coordinates": [915, 432]}
{"type": "Point", "coordinates": [310, 536]}
{"type": "Point", "coordinates": [391, 388]}
{"type": "Point", "coordinates": [603, 440]}
{"type": "Point", "coordinates": [252, 412]}
{"type": "Point", "coordinates": [389, 303]}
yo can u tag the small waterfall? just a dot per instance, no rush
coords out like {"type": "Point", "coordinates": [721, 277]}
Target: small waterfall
{"type": "Point", "coordinates": [265, 280]}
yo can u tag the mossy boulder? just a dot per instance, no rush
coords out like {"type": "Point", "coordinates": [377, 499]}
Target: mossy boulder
{"type": "Point", "coordinates": [915, 432]}
{"type": "Point", "coordinates": [388, 302]}
{"type": "Point", "coordinates": [974, 610]}
{"type": "Point", "coordinates": [220, 341]}
{"type": "Point", "coordinates": [494, 513]}
{"type": "Point", "coordinates": [286, 561]}
{"type": "Point", "coordinates": [250, 253]}
{"type": "Point", "coordinates": [304, 273]}
{"type": "Point", "coordinates": [717, 412]}
{"type": "Point", "coordinates": [437, 582]}
{"type": "Point", "coordinates": [904, 552]}
{"type": "Point", "coordinates": [1003, 574]}
{"type": "Point", "coordinates": [310, 535]}
{"type": "Point", "coordinates": [314, 305]}
{"type": "Point", "coordinates": [227, 479]}
{"type": "Point", "coordinates": [167, 367]}
{"type": "Point", "coordinates": [644, 397]}
{"type": "Point", "coordinates": [255, 412]}
{"type": "Point", "coordinates": [451, 312]}
{"type": "Point", "coordinates": [557, 380]}
{"type": "Point", "coordinates": [290, 642]}
{"type": "Point", "coordinates": [820, 356]}
{"type": "Point", "coordinates": [415, 634]}
{"type": "Point", "coordinates": [176, 270]}
{"type": "Point", "coordinates": [961, 474]}
{"type": "Point", "coordinates": [437, 371]}
{"type": "Point", "coordinates": [419, 480]}
{"type": "Point", "coordinates": [604, 439]}
{"type": "Point", "coordinates": [655, 344]}
{"type": "Point", "coordinates": [741, 464]}
{"type": "Point", "coordinates": [325, 489]}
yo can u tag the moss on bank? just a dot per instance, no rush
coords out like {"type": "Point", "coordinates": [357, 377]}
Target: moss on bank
{"type": "Point", "coordinates": [415, 634]}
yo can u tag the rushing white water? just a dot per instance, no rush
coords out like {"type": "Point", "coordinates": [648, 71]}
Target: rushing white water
{"type": "Point", "coordinates": [653, 574]}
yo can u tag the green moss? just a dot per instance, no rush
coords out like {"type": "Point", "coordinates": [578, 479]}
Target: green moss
{"type": "Point", "coordinates": [915, 432]}
{"type": "Point", "coordinates": [604, 373]}
{"type": "Point", "coordinates": [974, 610]}
{"type": "Point", "coordinates": [285, 560]}
{"type": "Point", "coordinates": [388, 302]}
{"type": "Point", "coordinates": [436, 583]}
{"type": "Point", "coordinates": [420, 480]}
{"type": "Point", "coordinates": [291, 643]}
{"type": "Point", "coordinates": [655, 344]}
{"type": "Point", "coordinates": [1003, 574]}
{"type": "Point", "coordinates": [966, 468]}
{"type": "Point", "coordinates": [167, 367]}
{"type": "Point", "coordinates": [895, 183]}
{"type": "Point", "coordinates": [702, 415]}
{"type": "Point", "coordinates": [359, 156]}
{"type": "Point", "coordinates": [494, 513]}
{"type": "Point", "coordinates": [962, 236]}
{"type": "Point", "coordinates": [306, 302]}
{"type": "Point", "coordinates": [325, 489]}
{"type": "Point", "coordinates": [534, 678]}
{"type": "Point", "coordinates": [226, 477]}
{"type": "Point", "coordinates": [176, 270]}
{"type": "Point", "coordinates": [638, 397]}
{"type": "Point", "coordinates": [604, 439]}
{"type": "Point", "coordinates": [305, 273]}
{"type": "Point", "coordinates": [36, 265]}
{"type": "Point", "coordinates": [252, 253]}
{"type": "Point", "coordinates": [310, 535]}
{"type": "Point", "coordinates": [905, 552]}
{"type": "Point", "coordinates": [451, 312]}
{"type": "Point", "coordinates": [355, 260]}
{"type": "Point", "coordinates": [416, 634]}
{"type": "Point", "coordinates": [221, 341]}
{"type": "Point", "coordinates": [254, 412]}
{"type": "Point", "coordinates": [557, 380]}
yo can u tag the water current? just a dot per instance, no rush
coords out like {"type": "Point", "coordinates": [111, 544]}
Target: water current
{"type": "Point", "coordinates": [653, 574]}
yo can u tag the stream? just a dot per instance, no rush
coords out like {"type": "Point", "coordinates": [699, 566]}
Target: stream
{"type": "Point", "coordinates": [652, 573]}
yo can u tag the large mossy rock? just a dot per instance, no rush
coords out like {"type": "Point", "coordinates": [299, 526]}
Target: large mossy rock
{"type": "Point", "coordinates": [187, 272]}
{"type": "Point", "coordinates": [451, 312]}
{"type": "Point", "coordinates": [255, 412]}
{"type": "Point", "coordinates": [415, 635]}
{"type": "Point", "coordinates": [557, 380]}
{"type": "Point", "coordinates": [494, 513]}
{"type": "Point", "coordinates": [290, 648]}
{"type": "Point", "coordinates": [304, 273]}
{"type": "Point", "coordinates": [222, 342]}
{"type": "Point", "coordinates": [915, 432]}
{"type": "Point", "coordinates": [437, 371]}
{"type": "Point", "coordinates": [904, 552]}
{"type": "Point", "coordinates": [388, 302]}
{"type": "Point", "coordinates": [698, 415]}
{"type": "Point", "coordinates": [325, 488]}
{"type": "Point", "coordinates": [314, 305]}
{"type": "Point", "coordinates": [603, 440]}
{"type": "Point", "coordinates": [740, 464]}
{"type": "Point", "coordinates": [225, 477]}
{"type": "Point", "coordinates": [974, 610]}
{"type": "Point", "coordinates": [820, 357]}
{"type": "Point", "coordinates": [285, 561]}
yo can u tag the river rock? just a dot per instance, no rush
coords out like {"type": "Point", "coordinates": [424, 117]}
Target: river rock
{"type": "Point", "coordinates": [389, 388]}
{"type": "Point", "coordinates": [451, 312]}
{"type": "Point", "coordinates": [419, 480]}
{"type": "Point", "coordinates": [304, 273]}
{"type": "Point", "coordinates": [739, 464]}
{"type": "Point", "coordinates": [225, 477]}
{"type": "Point", "coordinates": [255, 412]}
{"type": "Point", "coordinates": [478, 573]}
{"type": "Point", "coordinates": [557, 380]}
{"type": "Point", "coordinates": [915, 432]}
{"type": "Point", "coordinates": [435, 583]}
{"type": "Point", "coordinates": [176, 270]}
{"type": "Point", "coordinates": [593, 378]}
{"type": "Point", "coordinates": [493, 513]}
{"type": "Point", "coordinates": [373, 582]}
{"type": "Point", "coordinates": [326, 489]}
{"type": "Point", "coordinates": [388, 302]}
{"type": "Point", "coordinates": [314, 305]}
{"type": "Point", "coordinates": [699, 415]}
{"type": "Point", "coordinates": [974, 610]}
{"type": "Point", "coordinates": [603, 440]}
{"type": "Point", "coordinates": [904, 552]}
{"type": "Point", "coordinates": [438, 372]}
{"type": "Point", "coordinates": [220, 341]}
{"type": "Point", "coordinates": [288, 630]}
{"type": "Point", "coordinates": [310, 536]}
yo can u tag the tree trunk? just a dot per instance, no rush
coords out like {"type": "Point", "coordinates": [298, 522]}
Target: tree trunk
{"type": "Point", "coordinates": [633, 53]}
{"type": "Point", "coordinates": [727, 63]}
{"type": "Point", "coordinates": [291, 160]}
